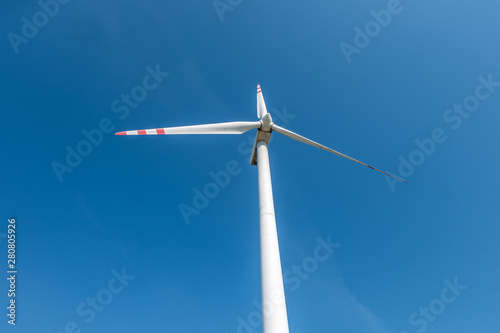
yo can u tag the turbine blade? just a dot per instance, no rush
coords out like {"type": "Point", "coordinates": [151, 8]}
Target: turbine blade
{"type": "Point", "coordinates": [261, 105]}
{"type": "Point", "coordinates": [300, 138]}
{"type": "Point", "coordinates": [236, 127]}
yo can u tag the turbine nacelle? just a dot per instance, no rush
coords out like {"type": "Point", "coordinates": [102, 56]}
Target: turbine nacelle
{"type": "Point", "coordinates": [264, 132]}
{"type": "Point", "coordinates": [260, 136]}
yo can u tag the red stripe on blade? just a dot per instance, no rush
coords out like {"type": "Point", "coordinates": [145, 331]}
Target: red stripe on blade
{"type": "Point", "coordinates": [121, 133]}
{"type": "Point", "coordinates": [141, 132]}
{"type": "Point", "coordinates": [160, 131]}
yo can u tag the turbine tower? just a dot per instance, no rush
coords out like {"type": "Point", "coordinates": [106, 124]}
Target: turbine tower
{"type": "Point", "coordinates": [274, 315]}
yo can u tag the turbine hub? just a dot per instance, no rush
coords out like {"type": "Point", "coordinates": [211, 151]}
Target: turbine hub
{"type": "Point", "coordinates": [267, 123]}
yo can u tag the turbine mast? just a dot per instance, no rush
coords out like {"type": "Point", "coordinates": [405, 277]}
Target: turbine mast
{"type": "Point", "coordinates": [274, 315]}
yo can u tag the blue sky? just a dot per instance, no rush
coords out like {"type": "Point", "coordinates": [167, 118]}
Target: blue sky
{"type": "Point", "coordinates": [101, 243]}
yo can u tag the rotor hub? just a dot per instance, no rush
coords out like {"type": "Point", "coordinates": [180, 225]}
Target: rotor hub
{"type": "Point", "coordinates": [267, 123]}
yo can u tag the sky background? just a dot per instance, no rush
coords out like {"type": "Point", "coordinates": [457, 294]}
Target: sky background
{"type": "Point", "coordinates": [117, 211]}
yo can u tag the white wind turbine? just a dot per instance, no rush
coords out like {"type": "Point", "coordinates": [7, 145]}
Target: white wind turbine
{"type": "Point", "coordinates": [274, 315]}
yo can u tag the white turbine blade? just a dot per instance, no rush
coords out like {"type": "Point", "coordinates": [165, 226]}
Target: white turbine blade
{"type": "Point", "coordinates": [261, 105]}
{"type": "Point", "coordinates": [300, 138]}
{"type": "Point", "coordinates": [236, 127]}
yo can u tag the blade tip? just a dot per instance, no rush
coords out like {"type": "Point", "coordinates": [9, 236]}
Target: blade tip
{"type": "Point", "coordinates": [401, 180]}
{"type": "Point", "coordinates": [121, 133]}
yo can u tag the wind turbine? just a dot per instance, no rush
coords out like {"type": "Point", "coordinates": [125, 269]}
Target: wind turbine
{"type": "Point", "coordinates": [274, 315]}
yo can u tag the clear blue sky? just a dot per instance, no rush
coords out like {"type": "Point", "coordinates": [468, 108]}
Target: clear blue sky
{"type": "Point", "coordinates": [419, 98]}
